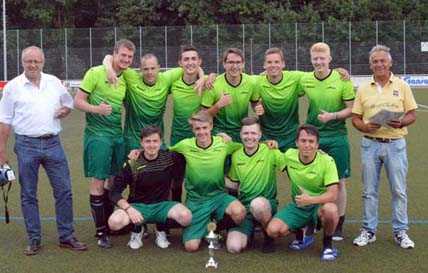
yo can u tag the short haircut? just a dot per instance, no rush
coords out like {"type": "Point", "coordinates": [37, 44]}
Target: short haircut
{"type": "Point", "coordinates": [248, 121]}
{"type": "Point", "coordinates": [309, 129]}
{"type": "Point", "coordinates": [185, 48]}
{"type": "Point", "coordinates": [150, 130]}
{"type": "Point", "coordinates": [233, 50]}
{"type": "Point", "coordinates": [124, 43]}
{"type": "Point", "coordinates": [275, 50]}
{"type": "Point", "coordinates": [147, 56]}
{"type": "Point", "coordinates": [201, 116]}
{"type": "Point", "coordinates": [378, 48]}
{"type": "Point", "coordinates": [320, 47]}
{"type": "Point", "coordinates": [30, 48]}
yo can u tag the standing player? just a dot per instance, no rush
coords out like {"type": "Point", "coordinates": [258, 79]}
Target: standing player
{"type": "Point", "coordinates": [254, 168]}
{"type": "Point", "coordinates": [150, 178]}
{"type": "Point", "coordinates": [185, 100]}
{"type": "Point", "coordinates": [229, 99]}
{"type": "Point", "coordinates": [314, 189]}
{"type": "Point", "coordinates": [330, 104]}
{"type": "Point", "coordinates": [103, 140]}
{"type": "Point", "coordinates": [205, 156]}
{"type": "Point", "coordinates": [279, 91]}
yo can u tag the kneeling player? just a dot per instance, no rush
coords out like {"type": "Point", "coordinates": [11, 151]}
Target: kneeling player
{"type": "Point", "coordinates": [149, 177]}
{"type": "Point", "coordinates": [314, 188]}
{"type": "Point", "coordinates": [254, 168]}
{"type": "Point", "coordinates": [205, 191]}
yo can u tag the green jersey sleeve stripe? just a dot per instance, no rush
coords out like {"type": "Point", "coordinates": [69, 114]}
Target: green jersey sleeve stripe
{"type": "Point", "coordinates": [85, 91]}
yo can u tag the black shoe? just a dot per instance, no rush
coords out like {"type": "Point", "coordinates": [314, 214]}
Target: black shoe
{"type": "Point", "coordinates": [73, 244]}
{"type": "Point", "coordinates": [33, 248]}
{"type": "Point", "coordinates": [268, 245]}
{"type": "Point", "coordinates": [104, 242]}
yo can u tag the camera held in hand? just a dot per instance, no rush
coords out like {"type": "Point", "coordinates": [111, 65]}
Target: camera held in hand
{"type": "Point", "coordinates": [6, 175]}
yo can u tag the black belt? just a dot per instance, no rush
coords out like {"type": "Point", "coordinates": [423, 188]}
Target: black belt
{"type": "Point", "coordinates": [45, 136]}
{"type": "Point", "coordinates": [381, 139]}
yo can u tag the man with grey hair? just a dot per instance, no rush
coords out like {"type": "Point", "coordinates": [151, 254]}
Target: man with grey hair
{"type": "Point", "coordinates": [383, 143]}
{"type": "Point", "coordinates": [33, 104]}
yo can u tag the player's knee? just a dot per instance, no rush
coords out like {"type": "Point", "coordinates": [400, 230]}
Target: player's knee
{"type": "Point", "coordinates": [185, 217]}
{"type": "Point", "coordinates": [276, 228]}
{"type": "Point", "coordinates": [192, 246]}
{"type": "Point", "coordinates": [260, 207]}
{"type": "Point", "coordinates": [238, 212]}
{"type": "Point", "coordinates": [116, 221]}
{"type": "Point", "coordinates": [329, 212]}
{"type": "Point", "coordinates": [234, 247]}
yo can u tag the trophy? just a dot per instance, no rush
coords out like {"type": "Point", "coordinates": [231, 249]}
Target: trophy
{"type": "Point", "coordinates": [212, 239]}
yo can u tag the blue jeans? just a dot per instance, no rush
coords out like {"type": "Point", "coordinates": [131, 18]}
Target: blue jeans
{"type": "Point", "coordinates": [31, 153]}
{"type": "Point", "coordinates": [393, 156]}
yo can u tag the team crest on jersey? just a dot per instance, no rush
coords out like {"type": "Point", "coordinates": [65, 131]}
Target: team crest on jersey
{"type": "Point", "coordinates": [396, 93]}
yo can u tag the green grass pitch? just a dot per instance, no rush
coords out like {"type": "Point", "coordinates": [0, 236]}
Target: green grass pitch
{"type": "Point", "coordinates": [382, 256]}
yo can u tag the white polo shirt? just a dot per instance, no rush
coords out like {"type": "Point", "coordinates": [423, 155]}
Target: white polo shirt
{"type": "Point", "coordinates": [30, 110]}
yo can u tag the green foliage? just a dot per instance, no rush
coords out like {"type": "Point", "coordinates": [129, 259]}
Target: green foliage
{"type": "Point", "coordinates": [98, 13]}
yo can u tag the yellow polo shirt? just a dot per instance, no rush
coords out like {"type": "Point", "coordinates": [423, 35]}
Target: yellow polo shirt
{"type": "Point", "coordinates": [395, 96]}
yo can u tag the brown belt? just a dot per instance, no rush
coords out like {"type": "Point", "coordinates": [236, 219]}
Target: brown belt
{"type": "Point", "coordinates": [382, 140]}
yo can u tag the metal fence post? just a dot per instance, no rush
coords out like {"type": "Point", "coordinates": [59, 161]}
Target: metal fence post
{"type": "Point", "coordinates": [66, 53]}
{"type": "Point", "coordinates": [166, 47]}
{"type": "Point", "coordinates": [41, 38]}
{"type": "Point", "coordinates": [217, 51]}
{"type": "Point", "coordinates": [404, 47]}
{"type": "Point", "coordinates": [296, 46]}
{"type": "Point", "coordinates": [322, 31]}
{"type": "Point", "coordinates": [270, 37]}
{"type": "Point", "coordinates": [141, 41]}
{"type": "Point", "coordinates": [350, 46]}
{"type": "Point", "coordinates": [115, 35]}
{"type": "Point", "coordinates": [191, 35]}
{"type": "Point", "coordinates": [90, 47]}
{"type": "Point", "coordinates": [251, 55]}
{"type": "Point", "coordinates": [243, 40]}
{"type": "Point", "coordinates": [377, 33]}
{"type": "Point", "coordinates": [18, 63]}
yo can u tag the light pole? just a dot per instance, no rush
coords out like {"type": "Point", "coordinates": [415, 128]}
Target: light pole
{"type": "Point", "coordinates": [4, 43]}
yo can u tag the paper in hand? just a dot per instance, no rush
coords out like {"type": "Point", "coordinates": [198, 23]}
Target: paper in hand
{"type": "Point", "coordinates": [384, 116]}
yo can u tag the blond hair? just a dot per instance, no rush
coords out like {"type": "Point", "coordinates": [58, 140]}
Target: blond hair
{"type": "Point", "coordinates": [320, 47]}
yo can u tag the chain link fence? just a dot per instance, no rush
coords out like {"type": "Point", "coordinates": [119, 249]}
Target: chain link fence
{"type": "Point", "coordinates": [70, 52]}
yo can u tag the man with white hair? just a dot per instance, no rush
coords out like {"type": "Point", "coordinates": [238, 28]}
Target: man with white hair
{"type": "Point", "coordinates": [383, 143]}
{"type": "Point", "coordinates": [33, 104]}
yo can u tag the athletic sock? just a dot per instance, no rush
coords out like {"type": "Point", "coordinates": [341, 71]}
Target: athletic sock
{"type": "Point", "coordinates": [136, 228]}
{"type": "Point", "coordinates": [339, 226]}
{"type": "Point", "coordinates": [97, 210]}
{"type": "Point", "coordinates": [327, 241]}
{"type": "Point", "coordinates": [108, 206]}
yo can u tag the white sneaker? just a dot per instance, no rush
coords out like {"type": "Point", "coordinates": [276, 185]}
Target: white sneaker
{"type": "Point", "coordinates": [161, 240]}
{"type": "Point", "coordinates": [403, 240]}
{"type": "Point", "coordinates": [366, 237]}
{"type": "Point", "coordinates": [136, 242]}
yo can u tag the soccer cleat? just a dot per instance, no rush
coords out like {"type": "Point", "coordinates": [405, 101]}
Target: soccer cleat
{"type": "Point", "coordinates": [366, 237]}
{"type": "Point", "coordinates": [104, 241]}
{"type": "Point", "coordinates": [136, 242]}
{"type": "Point", "coordinates": [161, 240]}
{"type": "Point", "coordinates": [299, 245]}
{"type": "Point", "coordinates": [403, 240]}
{"type": "Point", "coordinates": [329, 254]}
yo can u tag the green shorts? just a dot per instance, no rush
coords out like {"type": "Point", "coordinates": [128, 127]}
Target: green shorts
{"type": "Point", "coordinates": [202, 211]}
{"type": "Point", "coordinates": [297, 217]}
{"type": "Point", "coordinates": [131, 143]}
{"type": "Point", "coordinates": [247, 226]}
{"type": "Point", "coordinates": [155, 213]}
{"type": "Point", "coordinates": [234, 134]}
{"type": "Point", "coordinates": [338, 148]}
{"type": "Point", "coordinates": [284, 143]}
{"type": "Point", "coordinates": [103, 156]}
